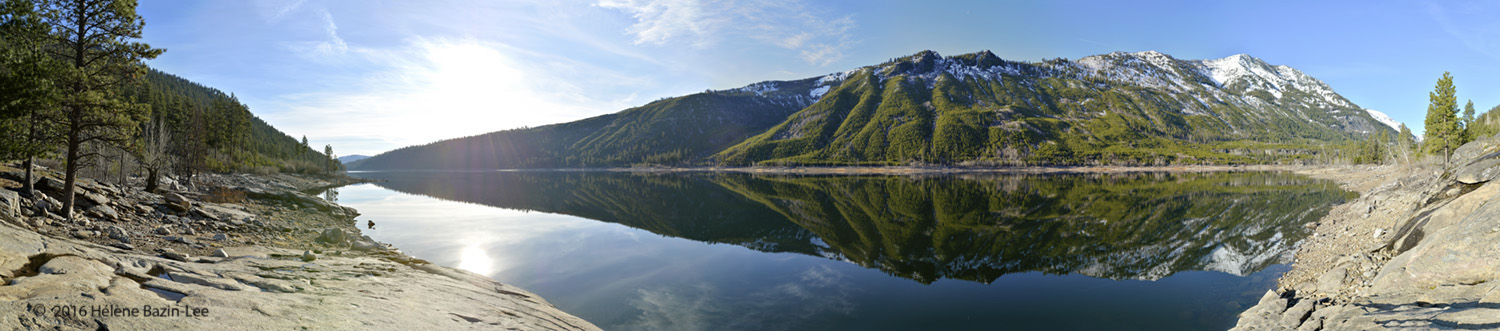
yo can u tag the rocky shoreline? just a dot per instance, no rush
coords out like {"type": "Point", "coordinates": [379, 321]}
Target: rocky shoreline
{"type": "Point", "coordinates": [1419, 249]}
{"type": "Point", "coordinates": [239, 252]}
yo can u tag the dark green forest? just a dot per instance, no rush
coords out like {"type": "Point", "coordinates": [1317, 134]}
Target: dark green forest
{"type": "Point", "coordinates": [232, 139]}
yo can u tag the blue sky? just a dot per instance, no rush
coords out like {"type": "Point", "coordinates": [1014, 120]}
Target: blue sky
{"type": "Point", "coordinates": [370, 76]}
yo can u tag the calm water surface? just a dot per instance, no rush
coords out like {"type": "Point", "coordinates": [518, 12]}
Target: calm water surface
{"type": "Point", "coordinates": [716, 251]}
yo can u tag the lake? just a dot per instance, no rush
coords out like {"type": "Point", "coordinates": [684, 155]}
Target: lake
{"type": "Point", "coordinates": [735, 251]}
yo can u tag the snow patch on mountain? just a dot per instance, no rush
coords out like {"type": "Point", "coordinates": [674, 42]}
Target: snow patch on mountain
{"type": "Point", "coordinates": [818, 92]}
{"type": "Point", "coordinates": [1384, 119]}
{"type": "Point", "coordinates": [836, 77]}
{"type": "Point", "coordinates": [760, 88]}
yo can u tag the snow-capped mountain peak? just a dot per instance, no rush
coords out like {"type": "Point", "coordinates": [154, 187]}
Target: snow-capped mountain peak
{"type": "Point", "coordinates": [1384, 119]}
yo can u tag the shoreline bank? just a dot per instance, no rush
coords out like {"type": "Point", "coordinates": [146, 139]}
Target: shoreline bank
{"type": "Point", "coordinates": [1416, 250]}
{"type": "Point", "coordinates": [247, 251]}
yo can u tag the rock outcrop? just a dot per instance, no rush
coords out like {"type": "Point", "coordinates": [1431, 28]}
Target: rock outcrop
{"type": "Point", "coordinates": [1419, 250]}
{"type": "Point", "coordinates": [146, 263]}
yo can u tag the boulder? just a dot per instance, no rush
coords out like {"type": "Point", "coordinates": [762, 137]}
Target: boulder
{"type": "Point", "coordinates": [47, 203]}
{"type": "Point", "coordinates": [10, 203]}
{"type": "Point", "coordinates": [49, 183]}
{"type": "Point", "coordinates": [93, 198]}
{"type": "Point", "coordinates": [1478, 172]}
{"type": "Point", "coordinates": [117, 233]}
{"type": "Point", "coordinates": [220, 253]}
{"type": "Point", "coordinates": [307, 256]}
{"type": "Point", "coordinates": [206, 214]}
{"type": "Point", "coordinates": [177, 202]}
{"type": "Point", "coordinates": [221, 237]}
{"type": "Point", "coordinates": [1462, 253]}
{"type": "Point", "coordinates": [1483, 148]}
{"type": "Point", "coordinates": [334, 236]}
{"type": "Point", "coordinates": [104, 211]}
{"type": "Point", "coordinates": [162, 230]}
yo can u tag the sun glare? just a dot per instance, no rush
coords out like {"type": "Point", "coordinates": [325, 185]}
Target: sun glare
{"type": "Point", "coordinates": [474, 259]}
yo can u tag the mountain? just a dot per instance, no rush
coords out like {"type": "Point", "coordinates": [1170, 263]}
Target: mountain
{"type": "Point", "coordinates": [346, 159]}
{"type": "Point", "coordinates": [975, 109]}
{"type": "Point", "coordinates": [1384, 119]}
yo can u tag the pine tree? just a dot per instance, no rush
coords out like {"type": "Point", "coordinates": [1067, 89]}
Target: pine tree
{"type": "Point", "coordinates": [328, 161]}
{"type": "Point", "coordinates": [28, 89]}
{"type": "Point", "coordinates": [1468, 120]}
{"type": "Point", "coordinates": [96, 38]}
{"type": "Point", "coordinates": [305, 148]}
{"type": "Point", "coordinates": [1442, 129]}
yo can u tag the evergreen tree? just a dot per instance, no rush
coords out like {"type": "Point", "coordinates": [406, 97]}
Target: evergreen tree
{"type": "Point", "coordinates": [1468, 122]}
{"type": "Point", "coordinates": [305, 148]}
{"type": "Point", "coordinates": [1443, 132]}
{"type": "Point", "coordinates": [96, 38]}
{"type": "Point", "coordinates": [28, 90]}
{"type": "Point", "coordinates": [328, 163]}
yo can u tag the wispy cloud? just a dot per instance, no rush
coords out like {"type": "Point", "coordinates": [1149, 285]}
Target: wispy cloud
{"type": "Point", "coordinates": [819, 39]}
{"type": "Point", "coordinates": [274, 10]}
{"type": "Point", "coordinates": [333, 44]}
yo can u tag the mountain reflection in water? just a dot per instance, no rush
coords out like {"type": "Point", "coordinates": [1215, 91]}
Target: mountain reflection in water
{"type": "Point", "coordinates": [974, 227]}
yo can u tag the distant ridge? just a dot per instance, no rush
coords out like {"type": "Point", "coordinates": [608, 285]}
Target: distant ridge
{"type": "Point", "coordinates": [1120, 108]}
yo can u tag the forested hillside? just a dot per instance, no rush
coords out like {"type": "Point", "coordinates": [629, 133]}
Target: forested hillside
{"type": "Point", "coordinates": [213, 130]}
{"type": "Point", "coordinates": [1120, 108]}
{"type": "Point", "coordinates": [670, 131]}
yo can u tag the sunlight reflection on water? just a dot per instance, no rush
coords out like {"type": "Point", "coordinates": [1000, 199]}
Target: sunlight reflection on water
{"type": "Point", "coordinates": [475, 260]}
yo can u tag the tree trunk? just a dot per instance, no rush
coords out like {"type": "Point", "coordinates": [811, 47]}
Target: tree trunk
{"type": "Point", "coordinates": [151, 180]}
{"type": "Point", "coordinates": [28, 187]}
{"type": "Point", "coordinates": [69, 173]}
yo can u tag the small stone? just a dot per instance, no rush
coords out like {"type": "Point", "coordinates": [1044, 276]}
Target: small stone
{"type": "Point", "coordinates": [1379, 232]}
{"type": "Point", "coordinates": [162, 230]}
{"type": "Point", "coordinates": [104, 211]}
{"type": "Point", "coordinates": [182, 240]}
{"type": "Point", "coordinates": [81, 234]}
{"type": "Point", "coordinates": [307, 256]}
{"type": "Point", "coordinates": [220, 253]}
{"type": "Point", "coordinates": [221, 237]}
{"type": "Point", "coordinates": [117, 233]}
{"type": "Point", "coordinates": [176, 256]}
{"type": "Point", "coordinates": [123, 246]}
